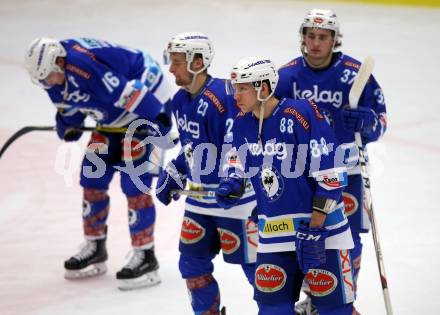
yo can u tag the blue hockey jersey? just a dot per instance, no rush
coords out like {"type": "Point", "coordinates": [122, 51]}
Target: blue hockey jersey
{"type": "Point", "coordinates": [205, 128]}
{"type": "Point", "coordinates": [297, 159]}
{"type": "Point", "coordinates": [110, 83]}
{"type": "Point", "coordinates": [329, 89]}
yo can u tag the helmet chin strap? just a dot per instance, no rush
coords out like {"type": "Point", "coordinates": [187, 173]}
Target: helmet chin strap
{"type": "Point", "coordinates": [261, 116]}
{"type": "Point", "coordinates": [190, 87]}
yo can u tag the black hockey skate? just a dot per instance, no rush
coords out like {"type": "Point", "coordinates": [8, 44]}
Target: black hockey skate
{"type": "Point", "coordinates": [89, 262]}
{"type": "Point", "coordinates": [140, 271]}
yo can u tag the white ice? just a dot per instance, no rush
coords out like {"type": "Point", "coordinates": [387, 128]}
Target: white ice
{"type": "Point", "coordinates": [40, 209]}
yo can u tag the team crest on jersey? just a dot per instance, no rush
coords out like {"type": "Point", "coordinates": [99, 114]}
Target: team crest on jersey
{"type": "Point", "coordinates": [191, 232]}
{"type": "Point", "coordinates": [350, 202]}
{"type": "Point", "coordinates": [272, 182]}
{"type": "Point", "coordinates": [321, 282]}
{"type": "Point", "coordinates": [229, 241]}
{"type": "Point", "coordinates": [270, 278]}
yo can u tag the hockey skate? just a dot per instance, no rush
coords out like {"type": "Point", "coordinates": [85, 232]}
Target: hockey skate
{"type": "Point", "coordinates": [140, 271]}
{"type": "Point", "coordinates": [89, 262]}
{"type": "Point", "coordinates": [305, 307]}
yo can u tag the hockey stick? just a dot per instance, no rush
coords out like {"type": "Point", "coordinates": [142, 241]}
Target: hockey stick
{"type": "Point", "coordinates": [360, 81]}
{"type": "Point", "coordinates": [28, 129]}
{"type": "Point", "coordinates": [194, 193]}
{"type": "Point", "coordinates": [198, 193]}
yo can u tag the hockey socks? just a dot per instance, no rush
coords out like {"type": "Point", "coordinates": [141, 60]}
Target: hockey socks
{"type": "Point", "coordinates": [205, 295]}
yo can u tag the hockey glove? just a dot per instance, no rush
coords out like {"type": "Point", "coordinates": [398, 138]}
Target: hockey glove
{"type": "Point", "coordinates": [169, 179]}
{"type": "Point", "coordinates": [65, 131]}
{"type": "Point", "coordinates": [362, 119]}
{"type": "Point", "coordinates": [160, 135]}
{"type": "Point", "coordinates": [229, 191]}
{"type": "Point", "coordinates": [310, 246]}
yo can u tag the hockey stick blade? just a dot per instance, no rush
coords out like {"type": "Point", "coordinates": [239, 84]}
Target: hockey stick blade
{"type": "Point", "coordinates": [22, 132]}
{"type": "Point", "coordinates": [360, 81]}
{"type": "Point", "coordinates": [28, 129]}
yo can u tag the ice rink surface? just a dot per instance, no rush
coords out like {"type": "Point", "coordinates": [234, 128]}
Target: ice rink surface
{"type": "Point", "coordinates": [40, 200]}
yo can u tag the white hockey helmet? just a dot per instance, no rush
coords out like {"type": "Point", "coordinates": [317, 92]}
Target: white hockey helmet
{"type": "Point", "coordinates": [41, 57]}
{"type": "Point", "coordinates": [255, 70]}
{"type": "Point", "coordinates": [321, 18]}
{"type": "Point", "coordinates": [190, 44]}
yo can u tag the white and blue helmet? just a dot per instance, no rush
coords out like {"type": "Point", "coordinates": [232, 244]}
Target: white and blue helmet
{"type": "Point", "coordinates": [323, 19]}
{"type": "Point", "coordinates": [190, 44]}
{"type": "Point", "coordinates": [41, 57]}
{"type": "Point", "coordinates": [255, 70]}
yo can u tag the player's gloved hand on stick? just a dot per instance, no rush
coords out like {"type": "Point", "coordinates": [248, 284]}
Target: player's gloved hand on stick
{"type": "Point", "coordinates": [169, 179]}
{"type": "Point", "coordinates": [310, 246]}
{"type": "Point", "coordinates": [229, 191]}
{"type": "Point", "coordinates": [162, 137]}
{"type": "Point", "coordinates": [361, 119]}
{"type": "Point", "coordinates": [65, 131]}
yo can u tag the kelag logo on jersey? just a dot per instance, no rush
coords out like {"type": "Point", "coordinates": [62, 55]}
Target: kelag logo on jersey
{"type": "Point", "coordinates": [324, 96]}
{"type": "Point", "coordinates": [278, 149]}
{"type": "Point", "coordinates": [272, 182]}
{"type": "Point", "coordinates": [189, 126]}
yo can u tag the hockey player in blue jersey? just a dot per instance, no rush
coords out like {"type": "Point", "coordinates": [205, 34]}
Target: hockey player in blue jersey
{"type": "Point", "coordinates": [113, 85]}
{"type": "Point", "coordinates": [291, 156]}
{"type": "Point", "coordinates": [325, 75]}
{"type": "Point", "coordinates": [204, 114]}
